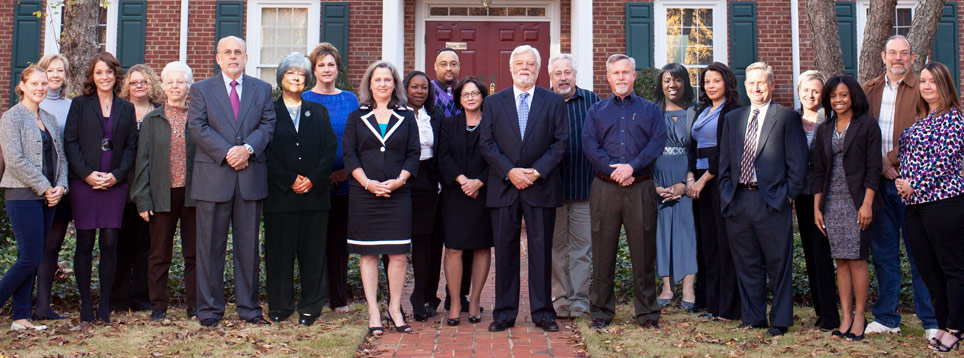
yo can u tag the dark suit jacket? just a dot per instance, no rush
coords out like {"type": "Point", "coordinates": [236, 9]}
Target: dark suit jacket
{"type": "Point", "coordinates": [781, 159]}
{"type": "Point", "coordinates": [861, 159]}
{"type": "Point", "coordinates": [151, 184]}
{"type": "Point", "coordinates": [545, 143]}
{"type": "Point", "coordinates": [713, 152]}
{"type": "Point", "coordinates": [309, 151]}
{"type": "Point", "coordinates": [363, 148]}
{"type": "Point", "coordinates": [453, 158]}
{"type": "Point", "coordinates": [84, 131]}
{"type": "Point", "coordinates": [215, 131]}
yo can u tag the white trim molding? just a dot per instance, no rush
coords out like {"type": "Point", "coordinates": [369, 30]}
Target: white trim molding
{"type": "Point", "coordinates": [720, 24]}
{"type": "Point", "coordinates": [795, 41]}
{"type": "Point", "coordinates": [393, 33]}
{"type": "Point", "coordinates": [582, 37]}
{"type": "Point", "coordinates": [111, 44]}
{"type": "Point", "coordinates": [863, 6]}
{"type": "Point", "coordinates": [53, 23]}
{"type": "Point", "coordinates": [182, 49]}
{"type": "Point", "coordinates": [553, 16]}
{"type": "Point", "coordinates": [253, 27]}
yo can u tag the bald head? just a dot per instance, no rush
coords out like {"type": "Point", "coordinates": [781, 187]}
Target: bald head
{"type": "Point", "coordinates": [232, 56]}
{"type": "Point", "coordinates": [447, 67]}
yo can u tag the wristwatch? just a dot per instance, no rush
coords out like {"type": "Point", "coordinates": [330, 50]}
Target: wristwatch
{"type": "Point", "coordinates": [536, 173]}
{"type": "Point", "coordinates": [249, 149]}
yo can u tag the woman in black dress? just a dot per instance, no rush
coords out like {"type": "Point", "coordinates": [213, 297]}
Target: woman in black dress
{"type": "Point", "coordinates": [465, 218]}
{"type": "Point", "coordinates": [381, 153]}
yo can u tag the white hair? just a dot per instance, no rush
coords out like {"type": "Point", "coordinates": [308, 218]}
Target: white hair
{"type": "Point", "coordinates": [562, 56]}
{"type": "Point", "coordinates": [177, 66]}
{"type": "Point", "coordinates": [526, 48]}
{"type": "Point", "coordinates": [619, 57]}
{"type": "Point", "coordinates": [761, 66]}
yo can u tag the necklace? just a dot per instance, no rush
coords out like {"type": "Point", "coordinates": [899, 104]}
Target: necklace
{"type": "Point", "coordinates": [471, 128]}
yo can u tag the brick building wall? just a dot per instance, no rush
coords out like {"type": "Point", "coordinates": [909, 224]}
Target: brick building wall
{"type": "Point", "coordinates": [6, 48]}
{"type": "Point", "coordinates": [364, 37]}
{"type": "Point", "coordinates": [201, 46]}
{"type": "Point", "coordinates": [163, 33]}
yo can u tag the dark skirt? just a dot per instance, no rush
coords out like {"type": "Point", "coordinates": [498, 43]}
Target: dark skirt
{"type": "Point", "coordinates": [97, 209]}
{"type": "Point", "coordinates": [466, 221]}
{"type": "Point", "coordinates": [424, 199]}
{"type": "Point", "coordinates": [379, 226]}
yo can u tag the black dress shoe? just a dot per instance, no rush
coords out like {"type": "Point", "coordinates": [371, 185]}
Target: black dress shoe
{"type": "Point", "coordinates": [654, 324]}
{"type": "Point", "coordinates": [51, 315]}
{"type": "Point", "coordinates": [499, 325]}
{"type": "Point", "coordinates": [549, 325]}
{"type": "Point", "coordinates": [747, 325]}
{"type": "Point", "coordinates": [259, 320]}
{"type": "Point", "coordinates": [157, 315]}
{"type": "Point", "coordinates": [278, 317]}
{"type": "Point", "coordinates": [210, 322]}
{"type": "Point", "coordinates": [307, 320]}
{"type": "Point", "coordinates": [776, 331]}
{"type": "Point", "coordinates": [430, 311]}
{"type": "Point", "coordinates": [421, 317]}
{"type": "Point", "coordinates": [598, 323]}
{"type": "Point", "coordinates": [191, 312]}
{"type": "Point", "coordinates": [707, 315]}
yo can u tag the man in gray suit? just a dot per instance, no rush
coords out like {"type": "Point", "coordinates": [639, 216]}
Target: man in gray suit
{"type": "Point", "coordinates": [231, 119]}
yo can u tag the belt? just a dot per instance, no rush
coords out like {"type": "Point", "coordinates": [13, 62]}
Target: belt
{"type": "Point", "coordinates": [749, 186]}
{"type": "Point", "coordinates": [706, 152]}
{"type": "Point", "coordinates": [674, 151]}
{"type": "Point", "coordinates": [635, 180]}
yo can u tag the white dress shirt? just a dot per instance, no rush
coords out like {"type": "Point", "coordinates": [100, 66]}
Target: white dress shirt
{"type": "Point", "coordinates": [516, 92]}
{"type": "Point", "coordinates": [426, 137]}
{"type": "Point", "coordinates": [227, 84]}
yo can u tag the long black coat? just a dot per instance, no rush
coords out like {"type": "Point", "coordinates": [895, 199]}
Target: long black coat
{"type": "Point", "coordinates": [861, 159]}
{"type": "Point", "coordinates": [84, 131]}
{"type": "Point", "coordinates": [309, 151]}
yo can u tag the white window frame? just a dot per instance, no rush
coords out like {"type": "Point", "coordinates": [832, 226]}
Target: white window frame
{"type": "Point", "coordinates": [864, 5]}
{"type": "Point", "coordinates": [253, 28]}
{"type": "Point", "coordinates": [720, 25]}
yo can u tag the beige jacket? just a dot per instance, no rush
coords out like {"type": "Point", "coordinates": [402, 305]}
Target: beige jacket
{"type": "Point", "coordinates": [23, 150]}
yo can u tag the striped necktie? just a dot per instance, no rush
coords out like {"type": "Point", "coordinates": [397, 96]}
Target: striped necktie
{"type": "Point", "coordinates": [747, 165]}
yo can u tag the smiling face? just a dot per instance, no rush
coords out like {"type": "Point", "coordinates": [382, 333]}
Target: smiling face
{"type": "Point", "coordinates": [447, 67]}
{"type": "Point", "coordinates": [561, 76]}
{"type": "Point", "coordinates": [34, 87]}
{"type": "Point", "coordinates": [810, 94]}
{"type": "Point", "coordinates": [621, 76]}
{"type": "Point", "coordinates": [672, 87]}
{"type": "Point", "coordinates": [897, 56]}
{"type": "Point", "coordinates": [382, 84]}
{"type": "Point", "coordinates": [417, 91]}
{"type": "Point", "coordinates": [524, 70]}
{"type": "Point", "coordinates": [714, 86]}
{"type": "Point", "coordinates": [758, 87]}
{"type": "Point", "coordinates": [840, 100]}
{"type": "Point", "coordinates": [104, 77]}
{"type": "Point", "coordinates": [138, 85]}
{"type": "Point", "coordinates": [293, 81]}
{"type": "Point", "coordinates": [232, 57]}
{"type": "Point", "coordinates": [929, 91]}
{"type": "Point", "coordinates": [56, 74]}
{"type": "Point", "coordinates": [326, 70]}
{"type": "Point", "coordinates": [471, 97]}
{"type": "Point", "coordinates": [175, 86]}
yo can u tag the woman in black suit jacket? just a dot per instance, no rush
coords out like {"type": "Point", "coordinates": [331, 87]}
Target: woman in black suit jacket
{"type": "Point", "coordinates": [300, 157]}
{"type": "Point", "coordinates": [846, 167]}
{"type": "Point", "coordinates": [100, 141]}
{"type": "Point", "coordinates": [718, 96]}
{"type": "Point", "coordinates": [465, 219]}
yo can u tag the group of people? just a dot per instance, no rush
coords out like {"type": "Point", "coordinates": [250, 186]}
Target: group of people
{"type": "Point", "coordinates": [703, 188]}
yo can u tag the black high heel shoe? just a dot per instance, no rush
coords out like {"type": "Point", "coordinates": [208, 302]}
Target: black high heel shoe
{"type": "Point", "coordinates": [941, 347]}
{"type": "Point", "coordinates": [400, 329]}
{"type": "Point", "coordinates": [839, 334]}
{"type": "Point", "coordinates": [853, 337]}
{"type": "Point", "coordinates": [453, 321]}
{"type": "Point", "coordinates": [477, 318]}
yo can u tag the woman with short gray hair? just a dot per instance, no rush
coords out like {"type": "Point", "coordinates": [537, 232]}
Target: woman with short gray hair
{"type": "Point", "coordinates": [162, 189]}
{"type": "Point", "coordinates": [300, 157]}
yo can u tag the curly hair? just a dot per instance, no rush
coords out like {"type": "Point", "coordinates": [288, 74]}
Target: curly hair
{"type": "Point", "coordinates": [731, 93]}
{"type": "Point", "coordinates": [155, 94]}
{"type": "Point", "coordinates": [89, 86]}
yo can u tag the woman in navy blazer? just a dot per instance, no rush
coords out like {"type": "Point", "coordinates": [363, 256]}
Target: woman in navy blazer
{"type": "Point", "coordinates": [846, 167]}
{"type": "Point", "coordinates": [100, 140]}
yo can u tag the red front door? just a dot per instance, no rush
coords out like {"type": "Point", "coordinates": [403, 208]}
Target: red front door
{"type": "Point", "coordinates": [487, 46]}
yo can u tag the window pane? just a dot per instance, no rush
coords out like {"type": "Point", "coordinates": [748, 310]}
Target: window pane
{"type": "Point", "coordinates": [267, 74]}
{"type": "Point", "coordinates": [689, 36]}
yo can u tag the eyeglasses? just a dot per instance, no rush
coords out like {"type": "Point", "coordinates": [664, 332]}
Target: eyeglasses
{"type": "Point", "coordinates": [474, 94]}
{"type": "Point", "coordinates": [137, 83]}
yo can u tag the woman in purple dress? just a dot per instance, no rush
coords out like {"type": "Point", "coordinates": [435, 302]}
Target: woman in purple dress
{"type": "Point", "coordinates": [100, 139]}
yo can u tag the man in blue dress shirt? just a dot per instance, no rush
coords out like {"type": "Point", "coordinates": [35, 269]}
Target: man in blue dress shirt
{"type": "Point", "coordinates": [571, 254]}
{"type": "Point", "coordinates": [622, 138]}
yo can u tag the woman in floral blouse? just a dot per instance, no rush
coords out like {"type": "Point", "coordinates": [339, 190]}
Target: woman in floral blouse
{"type": "Point", "coordinates": [932, 185]}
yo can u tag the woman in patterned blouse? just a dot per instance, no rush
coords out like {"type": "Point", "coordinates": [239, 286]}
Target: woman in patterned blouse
{"type": "Point", "coordinates": [931, 157]}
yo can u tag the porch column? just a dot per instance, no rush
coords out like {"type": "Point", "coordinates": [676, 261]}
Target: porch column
{"type": "Point", "coordinates": [393, 34]}
{"type": "Point", "coordinates": [582, 47]}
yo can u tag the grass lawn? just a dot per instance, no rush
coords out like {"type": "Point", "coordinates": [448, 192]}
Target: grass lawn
{"type": "Point", "coordinates": [133, 334]}
{"type": "Point", "coordinates": [683, 334]}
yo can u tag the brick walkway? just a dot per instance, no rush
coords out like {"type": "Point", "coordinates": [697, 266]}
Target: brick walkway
{"type": "Point", "coordinates": [434, 339]}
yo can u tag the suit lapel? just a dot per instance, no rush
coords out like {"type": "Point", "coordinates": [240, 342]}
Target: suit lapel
{"type": "Point", "coordinates": [221, 97]}
{"type": "Point", "coordinates": [741, 126]}
{"type": "Point", "coordinates": [116, 115]}
{"type": "Point", "coordinates": [849, 137]}
{"type": "Point", "coordinates": [536, 109]}
{"type": "Point", "coordinates": [768, 123]}
{"type": "Point", "coordinates": [461, 124]}
{"type": "Point", "coordinates": [284, 119]}
{"type": "Point", "coordinates": [247, 95]}
{"type": "Point", "coordinates": [513, 114]}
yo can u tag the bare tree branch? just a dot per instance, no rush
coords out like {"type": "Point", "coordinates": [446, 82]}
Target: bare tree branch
{"type": "Point", "coordinates": [880, 23]}
{"type": "Point", "coordinates": [927, 16]}
{"type": "Point", "coordinates": [825, 37]}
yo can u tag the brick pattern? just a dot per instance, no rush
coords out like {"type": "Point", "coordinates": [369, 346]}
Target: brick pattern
{"type": "Point", "coordinates": [6, 52]}
{"type": "Point", "coordinates": [775, 46]}
{"type": "Point", "coordinates": [409, 26]}
{"type": "Point", "coordinates": [163, 33]}
{"type": "Point", "coordinates": [609, 37]}
{"type": "Point", "coordinates": [364, 37]}
{"type": "Point", "coordinates": [201, 46]}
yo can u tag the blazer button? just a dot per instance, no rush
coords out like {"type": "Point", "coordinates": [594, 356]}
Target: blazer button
{"type": "Point", "coordinates": [239, 138]}
{"type": "Point", "coordinates": [382, 149]}
{"type": "Point", "coordinates": [299, 158]}
{"type": "Point", "coordinates": [297, 144]}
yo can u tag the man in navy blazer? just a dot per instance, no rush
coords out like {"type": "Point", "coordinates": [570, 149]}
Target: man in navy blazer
{"type": "Point", "coordinates": [763, 163]}
{"type": "Point", "coordinates": [231, 118]}
{"type": "Point", "coordinates": [524, 135]}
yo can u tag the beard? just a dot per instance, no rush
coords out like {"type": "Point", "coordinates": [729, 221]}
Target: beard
{"type": "Point", "coordinates": [523, 81]}
{"type": "Point", "coordinates": [565, 91]}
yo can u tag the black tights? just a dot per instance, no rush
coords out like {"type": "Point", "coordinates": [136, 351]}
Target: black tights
{"type": "Point", "coordinates": [108, 266]}
{"type": "Point", "coordinates": [48, 268]}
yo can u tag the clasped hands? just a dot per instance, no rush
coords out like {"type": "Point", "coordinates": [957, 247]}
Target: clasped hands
{"type": "Point", "coordinates": [521, 178]}
{"type": "Point", "coordinates": [302, 185]}
{"type": "Point", "coordinates": [904, 189]}
{"type": "Point", "coordinates": [672, 193]}
{"type": "Point", "coordinates": [54, 194]}
{"type": "Point", "coordinates": [237, 157]}
{"type": "Point", "coordinates": [470, 187]}
{"type": "Point", "coordinates": [100, 180]}
{"type": "Point", "coordinates": [622, 174]}
{"type": "Point", "coordinates": [383, 188]}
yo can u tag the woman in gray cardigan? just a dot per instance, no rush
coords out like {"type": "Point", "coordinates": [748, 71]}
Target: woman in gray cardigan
{"type": "Point", "coordinates": [34, 181]}
{"type": "Point", "coordinates": [162, 189]}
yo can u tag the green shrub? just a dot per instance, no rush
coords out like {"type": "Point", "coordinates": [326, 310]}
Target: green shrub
{"type": "Point", "coordinates": [645, 83]}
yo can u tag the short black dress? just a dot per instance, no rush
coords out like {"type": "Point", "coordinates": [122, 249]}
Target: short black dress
{"type": "Point", "coordinates": [378, 225]}
{"type": "Point", "coordinates": [466, 221]}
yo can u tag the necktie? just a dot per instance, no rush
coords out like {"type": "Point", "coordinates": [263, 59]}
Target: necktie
{"type": "Point", "coordinates": [235, 101]}
{"type": "Point", "coordinates": [523, 109]}
{"type": "Point", "coordinates": [747, 165]}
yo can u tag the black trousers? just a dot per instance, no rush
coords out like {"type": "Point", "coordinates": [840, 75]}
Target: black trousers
{"type": "Point", "coordinates": [427, 266]}
{"type": "Point", "coordinates": [935, 233]}
{"type": "Point", "coordinates": [291, 236]}
{"type": "Point", "coordinates": [507, 226]}
{"type": "Point", "coordinates": [722, 291]}
{"type": "Point", "coordinates": [820, 269]}
{"type": "Point", "coordinates": [336, 248]}
{"type": "Point", "coordinates": [130, 291]}
{"type": "Point", "coordinates": [762, 246]}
